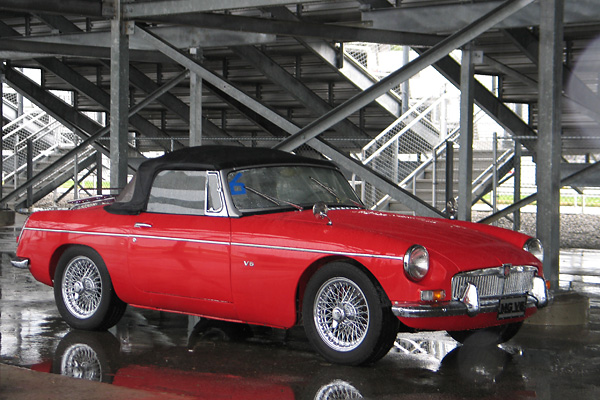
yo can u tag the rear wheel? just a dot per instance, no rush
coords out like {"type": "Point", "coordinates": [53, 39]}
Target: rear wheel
{"type": "Point", "coordinates": [487, 336]}
{"type": "Point", "coordinates": [83, 291]}
{"type": "Point", "coordinates": [345, 318]}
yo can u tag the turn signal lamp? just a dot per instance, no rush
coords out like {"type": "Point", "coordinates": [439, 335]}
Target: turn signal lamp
{"type": "Point", "coordinates": [433, 295]}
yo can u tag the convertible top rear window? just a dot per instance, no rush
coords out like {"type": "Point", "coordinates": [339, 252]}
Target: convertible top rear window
{"type": "Point", "coordinates": [178, 192]}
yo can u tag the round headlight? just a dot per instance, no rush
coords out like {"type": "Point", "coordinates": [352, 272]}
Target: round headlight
{"type": "Point", "coordinates": [416, 263]}
{"type": "Point", "coordinates": [534, 246]}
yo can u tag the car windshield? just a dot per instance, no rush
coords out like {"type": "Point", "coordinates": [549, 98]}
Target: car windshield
{"type": "Point", "coordinates": [289, 187]}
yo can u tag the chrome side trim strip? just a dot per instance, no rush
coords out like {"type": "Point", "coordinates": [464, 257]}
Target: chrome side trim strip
{"type": "Point", "coordinates": [76, 232]}
{"type": "Point", "coordinates": [239, 244]}
{"type": "Point", "coordinates": [337, 253]}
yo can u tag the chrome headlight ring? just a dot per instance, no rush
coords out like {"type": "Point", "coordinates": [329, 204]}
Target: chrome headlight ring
{"type": "Point", "coordinates": [416, 263]}
{"type": "Point", "coordinates": [534, 246]}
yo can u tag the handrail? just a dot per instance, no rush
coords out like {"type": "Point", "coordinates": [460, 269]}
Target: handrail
{"type": "Point", "coordinates": [17, 122]}
{"type": "Point", "coordinates": [484, 176]}
{"type": "Point", "coordinates": [408, 126]}
{"type": "Point", "coordinates": [396, 122]}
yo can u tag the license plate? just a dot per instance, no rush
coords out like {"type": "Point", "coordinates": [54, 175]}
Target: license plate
{"type": "Point", "coordinates": [512, 307]}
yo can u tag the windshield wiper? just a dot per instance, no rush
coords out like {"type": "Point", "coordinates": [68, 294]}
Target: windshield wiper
{"type": "Point", "coordinates": [333, 193]}
{"type": "Point", "coordinates": [273, 199]}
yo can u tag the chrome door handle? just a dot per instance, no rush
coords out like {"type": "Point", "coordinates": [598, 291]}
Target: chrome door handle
{"type": "Point", "coordinates": [142, 225]}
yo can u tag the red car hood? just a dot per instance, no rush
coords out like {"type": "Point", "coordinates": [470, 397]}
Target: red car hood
{"type": "Point", "coordinates": [466, 245]}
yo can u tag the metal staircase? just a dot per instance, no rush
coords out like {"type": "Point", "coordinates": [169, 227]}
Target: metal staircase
{"type": "Point", "coordinates": [31, 143]}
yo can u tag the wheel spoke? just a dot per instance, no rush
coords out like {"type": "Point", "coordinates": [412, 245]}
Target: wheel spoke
{"type": "Point", "coordinates": [341, 314]}
{"type": "Point", "coordinates": [82, 287]}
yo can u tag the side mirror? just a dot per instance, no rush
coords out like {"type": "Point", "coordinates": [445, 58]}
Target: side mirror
{"type": "Point", "coordinates": [320, 211]}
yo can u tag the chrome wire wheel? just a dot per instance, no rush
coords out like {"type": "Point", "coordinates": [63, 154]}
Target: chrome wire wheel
{"type": "Point", "coordinates": [338, 389]}
{"type": "Point", "coordinates": [82, 287]}
{"type": "Point", "coordinates": [341, 314]}
{"type": "Point", "coordinates": [81, 361]}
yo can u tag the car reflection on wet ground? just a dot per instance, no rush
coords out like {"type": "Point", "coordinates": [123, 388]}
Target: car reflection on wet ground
{"type": "Point", "coordinates": [197, 358]}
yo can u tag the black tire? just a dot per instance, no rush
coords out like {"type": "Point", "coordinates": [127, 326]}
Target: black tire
{"type": "Point", "coordinates": [487, 336]}
{"type": "Point", "coordinates": [87, 355]}
{"type": "Point", "coordinates": [83, 291]}
{"type": "Point", "coordinates": [345, 318]}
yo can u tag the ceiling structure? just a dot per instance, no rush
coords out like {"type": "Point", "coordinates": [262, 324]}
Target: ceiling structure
{"type": "Point", "coordinates": [237, 38]}
{"type": "Point", "coordinates": [273, 73]}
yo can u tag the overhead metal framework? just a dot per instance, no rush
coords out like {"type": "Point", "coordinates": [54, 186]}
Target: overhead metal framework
{"type": "Point", "coordinates": [148, 76]}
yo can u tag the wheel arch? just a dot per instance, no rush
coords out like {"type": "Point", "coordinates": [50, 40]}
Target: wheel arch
{"type": "Point", "coordinates": [317, 265]}
{"type": "Point", "coordinates": [55, 258]}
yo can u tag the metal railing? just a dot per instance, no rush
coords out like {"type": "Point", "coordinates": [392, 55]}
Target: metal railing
{"type": "Point", "coordinates": [29, 140]}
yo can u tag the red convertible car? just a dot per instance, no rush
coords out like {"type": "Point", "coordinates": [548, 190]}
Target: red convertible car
{"type": "Point", "coordinates": [270, 238]}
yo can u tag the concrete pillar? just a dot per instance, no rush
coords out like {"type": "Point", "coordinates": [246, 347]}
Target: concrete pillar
{"type": "Point", "coordinates": [195, 105]}
{"type": "Point", "coordinates": [548, 149]}
{"type": "Point", "coordinates": [465, 163]}
{"type": "Point", "coordinates": [119, 99]}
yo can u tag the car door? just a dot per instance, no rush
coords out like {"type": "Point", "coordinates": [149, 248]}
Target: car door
{"type": "Point", "coordinates": [179, 246]}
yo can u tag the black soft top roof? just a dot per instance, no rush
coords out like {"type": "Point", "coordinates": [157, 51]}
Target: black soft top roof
{"type": "Point", "coordinates": [202, 158]}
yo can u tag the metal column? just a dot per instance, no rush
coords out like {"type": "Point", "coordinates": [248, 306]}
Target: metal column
{"type": "Point", "coordinates": [98, 173]}
{"type": "Point", "coordinates": [517, 184]}
{"type": "Point", "coordinates": [427, 58]}
{"type": "Point", "coordinates": [449, 178]}
{"type": "Point", "coordinates": [119, 96]}
{"type": "Point", "coordinates": [549, 131]}
{"type": "Point", "coordinates": [1, 132]}
{"type": "Point", "coordinates": [465, 161]}
{"type": "Point", "coordinates": [195, 105]}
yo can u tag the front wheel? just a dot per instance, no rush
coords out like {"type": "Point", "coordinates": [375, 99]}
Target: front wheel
{"type": "Point", "coordinates": [487, 336]}
{"type": "Point", "coordinates": [83, 291]}
{"type": "Point", "coordinates": [344, 317]}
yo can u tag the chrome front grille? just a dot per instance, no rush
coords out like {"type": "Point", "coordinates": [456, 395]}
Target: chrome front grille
{"type": "Point", "coordinates": [495, 282]}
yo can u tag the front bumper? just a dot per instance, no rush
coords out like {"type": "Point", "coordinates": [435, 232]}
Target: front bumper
{"type": "Point", "coordinates": [21, 263]}
{"type": "Point", "coordinates": [470, 304]}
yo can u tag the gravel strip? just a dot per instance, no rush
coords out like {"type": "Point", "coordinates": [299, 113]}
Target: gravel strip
{"type": "Point", "coordinates": [577, 231]}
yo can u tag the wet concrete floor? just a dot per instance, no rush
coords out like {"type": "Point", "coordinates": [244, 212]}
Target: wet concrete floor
{"type": "Point", "coordinates": [152, 355]}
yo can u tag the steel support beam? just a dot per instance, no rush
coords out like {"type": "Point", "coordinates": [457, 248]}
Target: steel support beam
{"type": "Point", "coordinates": [55, 183]}
{"type": "Point", "coordinates": [517, 184]}
{"type": "Point", "coordinates": [65, 114]}
{"type": "Point", "coordinates": [59, 7]}
{"type": "Point", "coordinates": [119, 99]}
{"type": "Point", "coordinates": [255, 106]}
{"type": "Point", "coordinates": [179, 36]}
{"type": "Point", "coordinates": [429, 57]}
{"type": "Point", "coordinates": [20, 49]}
{"type": "Point", "coordinates": [88, 140]}
{"type": "Point", "coordinates": [449, 186]}
{"type": "Point", "coordinates": [137, 78]}
{"type": "Point", "coordinates": [548, 154]}
{"type": "Point", "coordinates": [170, 7]}
{"type": "Point", "coordinates": [195, 109]}
{"type": "Point", "coordinates": [354, 73]}
{"type": "Point", "coordinates": [1, 130]}
{"type": "Point", "coordinates": [465, 162]}
{"type": "Point", "coordinates": [102, 98]}
{"type": "Point", "coordinates": [449, 16]}
{"type": "Point", "coordinates": [304, 29]}
{"type": "Point", "coordinates": [295, 87]}
{"type": "Point", "coordinates": [503, 115]}
{"type": "Point", "coordinates": [172, 103]}
{"type": "Point", "coordinates": [98, 173]}
{"type": "Point", "coordinates": [590, 170]}
{"type": "Point", "coordinates": [574, 89]}
{"type": "Point", "coordinates": [213, 79]}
